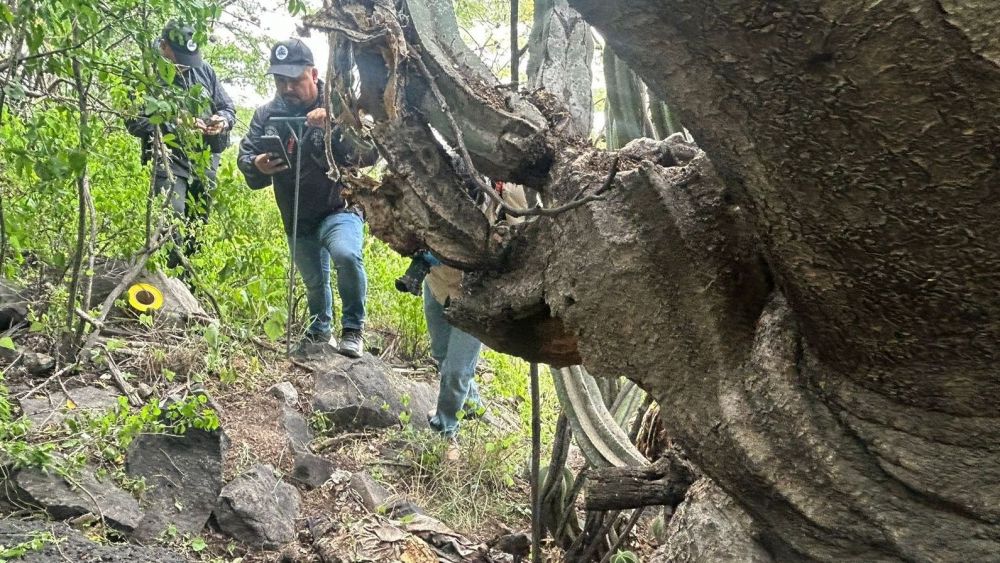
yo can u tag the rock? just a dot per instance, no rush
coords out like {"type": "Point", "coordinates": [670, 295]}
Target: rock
{"type": "Point", "coordinates": [312, 470]}
{"type": "Point", "coordinates": [258, 509]}
{"type": "Point", "coordinates": [13, 304]}
{"type": "Point", "coordinates": [74, 546]}
{"type": "Point", "coordinates": [299, 433]}
{"type": "Point", "coordinates": [365, 393]}
{"type": "Point", "coordinates": [183, 475]}
{"type": "Point", "coordinates": [308, 468]}
{"type": "Point", "coordinates": [52, 409]}
{"type": "Point", "coordinates": [179, 306]}
{"type": "Point", "coordinates": [285, 392]}
{"type": "Point", "coordinates": [37, 363]}
{"type": "Point", "coordinates": [63, 500]}
{"type": "Point", "coordinates": [108, 272]}
{"type": "Point", "coordinates": [144, 390]}
{"type": "Point", "coordinates": [373, 494]}
{"type": "Point", "coordinates": [517, 544]}
{"type": "Point", "coordinates": [34, 363]}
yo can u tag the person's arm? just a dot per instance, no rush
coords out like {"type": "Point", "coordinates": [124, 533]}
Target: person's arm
{"type": "Point", "coordinates": [139, 126]}
{"type": "Point", "coordinates": [222, 104]}
{"type": "Point", "coordinates": [249, 152]}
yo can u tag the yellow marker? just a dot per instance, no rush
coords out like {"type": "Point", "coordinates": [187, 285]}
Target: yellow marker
{"type": "Point", "coordinates": [144, 297]}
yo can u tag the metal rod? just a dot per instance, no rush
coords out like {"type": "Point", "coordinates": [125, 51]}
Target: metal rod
{"type": "Point", "coordinates": [296, 134]}
{"type": "Point", "coordinates": [536, 458]}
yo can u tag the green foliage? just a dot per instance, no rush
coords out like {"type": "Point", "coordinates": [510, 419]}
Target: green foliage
{"type": "Point", "coordinates": [38, 540]}
{"type": "Point", "coordinates": [193, 412]}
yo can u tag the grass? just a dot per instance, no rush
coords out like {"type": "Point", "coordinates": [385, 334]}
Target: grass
{"type": "Point", "coordinates": [489, 482]}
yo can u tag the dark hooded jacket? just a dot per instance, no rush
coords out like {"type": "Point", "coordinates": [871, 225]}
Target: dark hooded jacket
{"type": "Point", "coordinates": [319, 196]}
{"type": "Point", "coordinates": [220, 104]}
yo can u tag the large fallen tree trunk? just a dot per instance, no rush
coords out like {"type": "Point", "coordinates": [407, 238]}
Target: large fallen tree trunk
{"type": "Point", "coordinates": [816, 310]}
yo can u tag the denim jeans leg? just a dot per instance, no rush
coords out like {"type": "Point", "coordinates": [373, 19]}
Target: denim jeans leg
{"type": "Point", "coordinates": [342, 234]}
{"type": "Point", "coordinates": [458, 367]}
{"type": "Point", "coordinates": [437, 326]}
{"type": "Point", "coordinates": [313, 263]}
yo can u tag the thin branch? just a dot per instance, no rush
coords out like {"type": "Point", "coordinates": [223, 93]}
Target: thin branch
{"type": "Point", "coordinates": [82, 194]}
{"type": "Point", "coordinates": [66, 49]}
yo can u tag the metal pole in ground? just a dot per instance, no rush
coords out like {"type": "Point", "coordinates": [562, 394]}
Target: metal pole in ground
{"type": "Point", "coordinates": [295, 128]}
{"type": "Point", "coordinates": [536, 459]}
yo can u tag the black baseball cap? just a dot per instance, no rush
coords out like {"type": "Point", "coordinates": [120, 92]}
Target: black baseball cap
{"type": "Point", "coordinates": [290, 58]}
{"type": "Point", "coordinates": [180, 37]}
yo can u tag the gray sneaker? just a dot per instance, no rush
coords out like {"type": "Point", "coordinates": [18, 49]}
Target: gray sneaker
{"type": "Point", "coordinates": [351, 343]}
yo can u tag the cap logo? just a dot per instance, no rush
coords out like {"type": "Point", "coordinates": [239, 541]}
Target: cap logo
{"type": "Point", "coordinates": [191, 45]}
{"type": "Point", "coordinates": [281, 53]}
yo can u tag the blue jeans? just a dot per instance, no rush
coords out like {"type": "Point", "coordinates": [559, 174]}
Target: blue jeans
{"type": "Point", "coordinates": [340, 236]}
{"type": "Point", "coordinates": [457, 354]}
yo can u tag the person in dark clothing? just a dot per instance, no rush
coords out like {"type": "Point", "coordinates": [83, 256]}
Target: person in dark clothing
{"type": "Point", "coordinates": [327, 227]}
{"type": "Point", "coordinates": [188, 186]}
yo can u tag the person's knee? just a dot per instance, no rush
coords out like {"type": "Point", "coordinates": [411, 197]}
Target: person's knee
{"type": "Point", "coordinates": [313, 277]}
{"type": "Point", "coordinates": [345, 256]}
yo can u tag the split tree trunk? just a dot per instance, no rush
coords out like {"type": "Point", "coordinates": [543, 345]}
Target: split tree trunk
{"type": "Point", "coordinates": [816, 310]}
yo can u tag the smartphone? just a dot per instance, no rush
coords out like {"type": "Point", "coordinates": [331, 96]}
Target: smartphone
{"type": "Point", "coordinates": [274, 146]}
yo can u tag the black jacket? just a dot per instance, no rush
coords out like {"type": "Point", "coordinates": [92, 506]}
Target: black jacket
{"type": "Point", "coordinates": [220, 104]}
{"type": "Point", "coordinates": [319, 196]}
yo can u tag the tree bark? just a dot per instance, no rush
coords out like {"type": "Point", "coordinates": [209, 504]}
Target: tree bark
{"type": "Point", "coordinates": [815, 310]}
{"type": "Point", "coordinates": [624, 488]}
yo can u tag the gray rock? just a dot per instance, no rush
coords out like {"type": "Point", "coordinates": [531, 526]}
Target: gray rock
{"type": "Point", "coordinates": [74, 546]}
{"type": "Point", "coordinates": [299, 433]}
{"type": "Point", "coordinates": [37, 363]}
{"type": "Point", "coordinates": [13, 304]}
{"type": "Point", "coordinates": [258, 509]}
{"type": "Point", "coordinates": [308, 468]}
{"type": "Point", "coordinates": [179, 305]}
{"type": "Point", "coordinates": [54, 408]}
{"type": "Point", "coordinates": [183, 475]}
{"type": "Point", "coordinates": [365, 393]}
{"type": "Point", "coordinates": [63, 499]}
{"type": "Point", "coordinates": [312, 470]}
{"type": "Point", "coordinates": [108, 272]}
{"type": "Point", "coordinates": [285, 392]}
{"type": "Point", "coordinates": [373, 494]}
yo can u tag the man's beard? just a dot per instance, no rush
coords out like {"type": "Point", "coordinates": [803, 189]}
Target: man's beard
{"type": "Point", "coordinates": [293, 102]}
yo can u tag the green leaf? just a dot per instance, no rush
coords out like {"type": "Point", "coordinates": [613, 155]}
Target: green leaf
{"type": "Point", "coordinates": [273, 329]}
{"type": "Point", "coordinates": [7, 342]}
{"type": "Point", "coordinates": [198, 544]}
{"type": "Point", "coordinates": [77, 160]}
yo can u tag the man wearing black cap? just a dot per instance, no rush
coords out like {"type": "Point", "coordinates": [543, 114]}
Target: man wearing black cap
{"type": "Point", "coordinates": [212, 115]}
{"type": "Point", "coordinates": [327, 227]}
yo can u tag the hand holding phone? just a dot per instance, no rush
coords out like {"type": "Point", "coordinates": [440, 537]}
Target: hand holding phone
{"type": "Point", "coordinates": [274, 146]}
{"type": "Point", "coordinates": [269, 164]}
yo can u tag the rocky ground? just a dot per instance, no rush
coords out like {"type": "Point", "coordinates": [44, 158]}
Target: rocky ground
{"type": "Point", "coordinates": [263, 486]}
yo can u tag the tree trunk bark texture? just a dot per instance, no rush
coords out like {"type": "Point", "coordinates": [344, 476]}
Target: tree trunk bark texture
{"type": "Point", "coordinates": [625, 488]}
{"type": "Point", "coordinates": [816, 309]}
